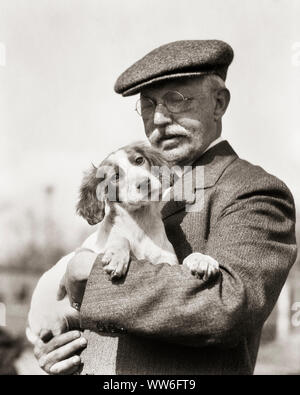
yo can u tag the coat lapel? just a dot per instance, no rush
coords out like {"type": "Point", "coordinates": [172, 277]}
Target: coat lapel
{"type": "Point", "coordinates": [211, 165]}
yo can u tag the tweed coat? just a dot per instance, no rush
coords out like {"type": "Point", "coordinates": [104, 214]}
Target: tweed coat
{"type": "Point", "coordinates": [162, 320]}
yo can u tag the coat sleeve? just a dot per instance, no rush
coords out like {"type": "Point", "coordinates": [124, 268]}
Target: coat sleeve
{"type": "Point", "coordinates": [253, 240]}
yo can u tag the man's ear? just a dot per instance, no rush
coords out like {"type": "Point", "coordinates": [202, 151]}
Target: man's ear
{"type": "Point", "coordinates": [91, 205]}
{"type": "Point", "coordinates": [222, 99]}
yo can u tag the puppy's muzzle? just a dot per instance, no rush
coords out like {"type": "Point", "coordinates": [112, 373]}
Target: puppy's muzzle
{"type": "Point", "coordinates": [144, 185]}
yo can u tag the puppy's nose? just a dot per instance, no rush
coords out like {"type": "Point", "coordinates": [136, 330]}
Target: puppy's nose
{"type": "Point", "coordinates": [143, 185]}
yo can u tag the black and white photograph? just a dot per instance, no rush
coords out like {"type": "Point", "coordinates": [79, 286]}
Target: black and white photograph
{"type": "Point", "coordinates": [149, 190]}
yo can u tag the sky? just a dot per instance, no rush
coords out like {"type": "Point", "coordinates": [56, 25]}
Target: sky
{"type": "Point", "coordinates": [59, 61]}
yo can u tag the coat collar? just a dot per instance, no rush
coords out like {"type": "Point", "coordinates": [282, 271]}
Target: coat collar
{"type": "Point", "coordinates": [213, 163]}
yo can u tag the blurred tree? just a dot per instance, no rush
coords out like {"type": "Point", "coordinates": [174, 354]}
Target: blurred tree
{"type": "Point", "coordinates": [10, 350]}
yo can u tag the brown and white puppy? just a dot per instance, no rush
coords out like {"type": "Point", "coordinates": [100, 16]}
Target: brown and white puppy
{"type": "Point", "coordinates": [122, 195]}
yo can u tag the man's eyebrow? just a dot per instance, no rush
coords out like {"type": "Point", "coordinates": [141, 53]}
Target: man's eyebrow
{"type": "Point", "coordinates": [147, 97]}
{"type": "Point", "coordinates": [184, 91]}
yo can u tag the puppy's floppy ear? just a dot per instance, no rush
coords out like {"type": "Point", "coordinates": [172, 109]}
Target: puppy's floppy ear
{"type": "Point", "coordinates": [91, 205]}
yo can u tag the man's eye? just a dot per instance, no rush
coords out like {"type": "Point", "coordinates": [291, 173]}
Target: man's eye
{"type": "Point", "coordinates": [175, 100]}
{"type": "Point", "coordinates": [140, 160]}
{"type": "Point", "coordinates": [146, 103]}
{"type": "Point", "coordinates": [146, 106]}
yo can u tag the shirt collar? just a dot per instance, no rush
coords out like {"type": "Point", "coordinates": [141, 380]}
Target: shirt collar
{"type": "Point", "coordinates": [180, 171]}
{"type": "Point", "coordinates": [214, 163]}
{"type": "Point", "coordinates": [213, 143]}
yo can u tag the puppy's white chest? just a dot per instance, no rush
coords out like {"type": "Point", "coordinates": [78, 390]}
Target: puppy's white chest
{"type": "Point", "coordinates": [155, 252]}
{"type": "Point", "coordinates": [151, 243]}
{"type": "Point", "coordinates": [145, 232]}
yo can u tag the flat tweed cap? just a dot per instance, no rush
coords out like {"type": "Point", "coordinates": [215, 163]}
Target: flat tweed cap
{"type": "Point", "coordinates": [176, 60]}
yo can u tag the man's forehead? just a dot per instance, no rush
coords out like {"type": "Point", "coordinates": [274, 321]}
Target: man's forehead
{"type": "Point", "coordinates": [185, 86]}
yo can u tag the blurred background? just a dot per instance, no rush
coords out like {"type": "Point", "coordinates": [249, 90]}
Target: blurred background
{"type": "Point", "coordinates": [59, 60]}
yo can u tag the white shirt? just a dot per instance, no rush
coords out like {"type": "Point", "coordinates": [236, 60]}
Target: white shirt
{"type": "Point", "coordinates": [181, 171]}
{"type": "Point", "coordinates": [215, 142]}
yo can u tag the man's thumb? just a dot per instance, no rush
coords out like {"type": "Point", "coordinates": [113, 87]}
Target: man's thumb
{"type": "Point", "coordinates": [61, 293]}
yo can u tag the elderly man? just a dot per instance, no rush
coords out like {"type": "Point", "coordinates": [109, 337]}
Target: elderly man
{"type": "Point", "coordinates": [159, 320]}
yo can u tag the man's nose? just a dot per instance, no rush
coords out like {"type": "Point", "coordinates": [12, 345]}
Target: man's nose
{"type": "Point", "coordinates": [161, 115]}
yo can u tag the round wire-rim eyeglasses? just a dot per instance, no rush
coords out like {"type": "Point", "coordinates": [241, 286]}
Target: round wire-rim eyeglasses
{"type": "Point", "coordinates": [173, 101]}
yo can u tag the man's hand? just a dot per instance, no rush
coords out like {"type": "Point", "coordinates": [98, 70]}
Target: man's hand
{"type": "Point", "coordinates": [49, 318]}
{"type": "Point", "coordinates": [74, 280]}
{"type": "Point", "coordinates": [58, 355]}
{"type": "Point", "coordinates": [59, 321]}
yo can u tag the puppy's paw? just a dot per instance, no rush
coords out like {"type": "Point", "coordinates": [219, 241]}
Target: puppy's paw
{"type": "Point", "coordinates": [202, 266]}
{"type": "Point", "coordinates": [116, 259]}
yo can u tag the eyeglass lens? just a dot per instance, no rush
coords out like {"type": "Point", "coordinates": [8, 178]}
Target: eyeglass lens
{"type": "Point", "coordinates": [173, 101]}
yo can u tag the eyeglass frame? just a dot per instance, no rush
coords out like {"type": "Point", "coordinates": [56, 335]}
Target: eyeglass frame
{"type": "Point", "coordinates": [164, 104]}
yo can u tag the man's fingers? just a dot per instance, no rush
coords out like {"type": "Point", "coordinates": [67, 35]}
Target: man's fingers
{"type": "Point", "coordinates": [66, 367]}
{"type": "Point", "coordinates": [76, 291]}
{"type": "Point", "coordinates": [57, 341]}
{"type": "Point", "coordinates": [60, 327]}
{"type": "Point", "coordinates": [62, 354]}
{"type": "Point", "coordinates": [46, 335]}
{"type": "Point", "coordinates": [44, 352]}
{"type": "Point", "coordinates": [43, 348]}
{"type": "Point", "coordinates": [74, 319]}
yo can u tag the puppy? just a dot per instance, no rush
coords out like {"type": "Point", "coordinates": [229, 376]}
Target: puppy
{"type": "Point", "coordinates": [124, 196]}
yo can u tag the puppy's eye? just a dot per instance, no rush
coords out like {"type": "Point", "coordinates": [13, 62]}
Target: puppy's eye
{"type": "Point", "coordinates": [140, 160]}
{"type": "Point", "coordinates": [115, 178]}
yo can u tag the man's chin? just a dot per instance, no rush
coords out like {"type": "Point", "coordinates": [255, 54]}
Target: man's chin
{"type": "Point", "coordinates": [176, 155]}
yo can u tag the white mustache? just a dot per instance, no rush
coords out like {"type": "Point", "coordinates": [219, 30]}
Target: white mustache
{"type": "Point", "coordinates": [169, 131]}
{"type": "Point", "coordinates": [175, 130]}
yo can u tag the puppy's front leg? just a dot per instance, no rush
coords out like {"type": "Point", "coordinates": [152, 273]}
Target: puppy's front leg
{"type": "Point", "coordinates": [202, 266]}
{"type": "Point", "coordinates": [116, 256]}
